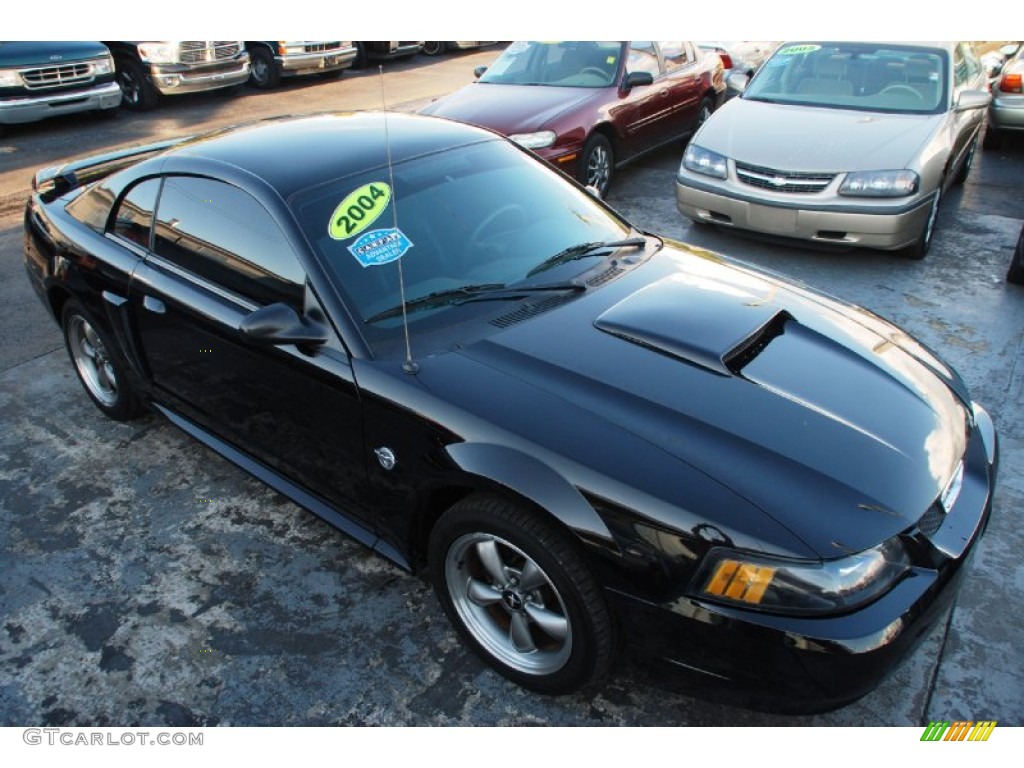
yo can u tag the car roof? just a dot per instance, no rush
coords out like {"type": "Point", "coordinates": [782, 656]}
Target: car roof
{"type": "Point", "coordinates": [293, 153]}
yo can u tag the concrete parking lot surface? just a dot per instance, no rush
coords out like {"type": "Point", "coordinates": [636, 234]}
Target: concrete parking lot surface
{"type": "Point", "coordinates": [144, 580]}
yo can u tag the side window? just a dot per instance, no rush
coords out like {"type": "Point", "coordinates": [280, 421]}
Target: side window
{"type": "Point", "coordinates": [643, 58]}
{"type": "Point", "coordinates": [134, 216]}
{"type": "Point", "coordinates": [675, 54]}
{"type": "Point", "coordinates": [959, 67]}
{"type": "Point", "coordinates": [973, 62]}
{"type": "Point", "coordinates": [222, 234]}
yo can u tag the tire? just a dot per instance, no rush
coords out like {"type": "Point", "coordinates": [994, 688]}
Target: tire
{"type": "Point", "coordinates": [520, 596]}
{"type": "Point", "coordinates": [965, 168]}
{"type": "Point", "coordinates": [707, 106]}
{"type": "Point", "coordinates": [1016, 271]}
{"type": "Point", "coordinates": [919, 249]}
{"type": "Point", "coordinates": [361, 59]}
{"type": "Point", "coordinates": [434, 48]}
{"type": "Point", "coordinates": [993, 139]}
{"type": "Point", "coordinates": [137, 92]}
{"type": "Point", "coordinates": [263, 72]}
{"type": "Point", "coordinates": [597, 163]}
{"type": "Point", "coordinates": [99, 366]}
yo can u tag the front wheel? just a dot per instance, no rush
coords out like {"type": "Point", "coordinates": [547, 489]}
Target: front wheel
{"type": "Point", "coordinates": [920, 249]}
{"type": "Point", "coordinates": [137, 92]}
{"type": "Point", "coordinates": [434, 48]}
{"type": "Point", "coordinates": [263, 69]}
{"type": "Point", "coordinates": [597, 163]}
{"type": "Point", "coordinates": [99, 367]}
{"type": "Point", "coordinates": [1016, 271]}
{"type": "Point", "coordinates": [520, 595]}
{"type": "Point", "coordinates": [965, 168]}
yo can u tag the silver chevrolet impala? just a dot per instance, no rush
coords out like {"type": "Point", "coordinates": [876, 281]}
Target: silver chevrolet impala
{"type": "Point", "coordinates": [840, 142]}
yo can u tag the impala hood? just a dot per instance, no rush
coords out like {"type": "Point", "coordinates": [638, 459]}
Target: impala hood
{"type": "Point", "coordinates": [510, 109]}
{"type": "Point", "coordinates": [832, 422]}
{"type": "Point", "coordinates": [802, 138]}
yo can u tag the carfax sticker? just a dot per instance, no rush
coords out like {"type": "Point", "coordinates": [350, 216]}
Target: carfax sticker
{"type": "Point", "coordinates": [793, 50]}
{"type": "Point", "coordinates": [359, 210]}
{"type": "Point", "coordinates": [381, 246]}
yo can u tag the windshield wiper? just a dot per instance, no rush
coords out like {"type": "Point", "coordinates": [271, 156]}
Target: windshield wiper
{"type": "Point", "coordinates": [468, 293]}
{"type": "Point", "coordinates": [574, 252]}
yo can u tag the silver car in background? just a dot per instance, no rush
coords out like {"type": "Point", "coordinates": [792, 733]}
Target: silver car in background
{"type": "Point", "coordinates": [739, 57]}
{"type": "Point", "coordinates": [849, 143]}
{"type": "Point", "coordinates": [1006, 113]}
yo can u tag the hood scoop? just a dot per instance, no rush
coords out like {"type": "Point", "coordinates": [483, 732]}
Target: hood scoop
{"type": "Point", "coordinates": [716, 326]}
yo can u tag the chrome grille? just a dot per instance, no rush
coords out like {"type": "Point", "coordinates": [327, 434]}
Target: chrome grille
{"type": "Point", "coordinates": [783, 181]}
{"type": "Point", "coordinates": [199, 51]}
{"type": "Point", "coordinates": [52, 77]}
{"type": "Point", "coordinates": [320, 47]}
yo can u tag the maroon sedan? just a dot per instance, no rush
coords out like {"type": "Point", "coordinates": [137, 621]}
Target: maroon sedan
{"type": "Point", "coordinates": [589, 106]}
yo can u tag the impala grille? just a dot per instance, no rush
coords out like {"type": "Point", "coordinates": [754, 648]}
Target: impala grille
{"type": "Point", "coordinates": [783, 181]}
{"type": "Point", "coordinates": [53, 77]}
{"type": "Point", "coordinates": [200, 51]}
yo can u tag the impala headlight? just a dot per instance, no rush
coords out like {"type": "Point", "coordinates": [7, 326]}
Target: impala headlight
{"type": "Point", "coordinates": [700, 160]}
{"type": "Point", "coordinates": [880, 184]}
{"type": "Point", "coordinates": [538, 140]}
{"type": "Point", "coordinates": [790, 586]}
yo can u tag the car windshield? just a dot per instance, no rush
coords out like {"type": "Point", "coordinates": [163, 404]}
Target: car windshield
{"type": "Point", "coordinates": [862, 76]}
{"type": "Point", "coordinates": [576, 64]}
{"type": "Point", "coordinates": [483, 216]}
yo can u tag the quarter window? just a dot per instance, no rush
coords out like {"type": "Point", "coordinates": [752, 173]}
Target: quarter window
{"type": "Point", "coordinates": [134, 217]}
{"type": "Point", "coordinates": [224, 235]}
{"type": "Point", "coordinates": [675, 54]}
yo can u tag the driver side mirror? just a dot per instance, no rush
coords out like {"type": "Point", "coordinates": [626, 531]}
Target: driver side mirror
{"type": "Point", "coordinates": [277, 324]}
{"type": "Point", "coordinates": [737, 82]}
{"type": "Point", "coordinates": [973, 99]}
{"type": "Point", "coordinates": [633, 79]}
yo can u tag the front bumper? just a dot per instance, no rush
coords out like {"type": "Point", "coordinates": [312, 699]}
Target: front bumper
{"type": "Point", "coordinates": [800, 664]}
{"type": "Point", "coordinates": [873, 224]}
{"type": "Point", "coordinates": [321, 61]}
{"type": "Point", "coordinates": [176, 78]}
{"type": "Point", "coordinates": [32, 108]}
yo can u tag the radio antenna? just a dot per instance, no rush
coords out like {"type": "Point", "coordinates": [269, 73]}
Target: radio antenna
{"type": "Point", "coordinates": [409, 366]}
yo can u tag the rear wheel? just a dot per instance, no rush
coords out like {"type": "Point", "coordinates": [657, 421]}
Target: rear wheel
{"type": "Point", "coordinates": [137, 92]}
{"type": "Point", "coordinates": [707, 106]}
{"type": "Point", "coordinates": [520, 595]}
{"type": "Point", "coordinates": [99, 367]}
{"type": "Point", "coordinates": [434, 47]}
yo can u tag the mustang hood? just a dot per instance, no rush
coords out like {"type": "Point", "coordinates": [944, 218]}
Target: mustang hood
{"type": "Point", "coordinates": [803, 138]}
{"type": "Point", "coordinates": [509, 108]}
{"type": "Point", "coordinates": [829, 420]}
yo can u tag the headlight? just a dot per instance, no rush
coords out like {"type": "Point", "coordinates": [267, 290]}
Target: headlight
{"type": "Point", "coordinates": [159, 53]}
{"type": "Point", "coordinates": [700, 160]}
{"type": "Point", "coordinates": [794, 587]}
{"type": "Point", "coordinates": [103, 66]}
{"type": "Point", "coordinates": [9, 78]}
{"type": "Point", "coordinates": [880, 184]}
{"type": "Point", "coordinates": [537, 140]}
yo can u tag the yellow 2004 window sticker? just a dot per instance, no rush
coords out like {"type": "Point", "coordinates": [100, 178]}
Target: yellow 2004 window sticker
{"type": "Point", "coordinates": [359, 210]}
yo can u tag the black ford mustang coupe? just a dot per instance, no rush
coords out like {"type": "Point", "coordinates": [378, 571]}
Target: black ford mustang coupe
{"type": "Point", "coordinates": [583, 432]}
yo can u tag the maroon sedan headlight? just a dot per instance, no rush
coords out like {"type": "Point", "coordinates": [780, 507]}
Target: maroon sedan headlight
{"type": "Point", "coordinates": [538, 140]}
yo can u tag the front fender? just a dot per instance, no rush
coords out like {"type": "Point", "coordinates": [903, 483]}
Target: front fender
{"type": "Point", "coordinates": [532, 479]}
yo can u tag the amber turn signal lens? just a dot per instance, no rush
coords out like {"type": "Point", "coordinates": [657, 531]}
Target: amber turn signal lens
{"type": "Point", "coordinates": [740, 581]}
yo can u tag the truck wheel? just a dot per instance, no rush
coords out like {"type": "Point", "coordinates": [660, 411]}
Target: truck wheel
{"type": "Point", "coordinates": [137, 92]}
{"type": "Point", "coordinates": [263, 69]}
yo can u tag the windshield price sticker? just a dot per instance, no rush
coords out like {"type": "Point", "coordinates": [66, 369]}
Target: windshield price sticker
{"type": "Point", "coordinates": [359, 210]}
{"type": "Point", "coordinates": [793, 50]}
{"type": "Point", "coordinates": [381, 246]}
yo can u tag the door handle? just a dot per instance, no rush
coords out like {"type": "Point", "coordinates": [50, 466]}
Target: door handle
{"type": "Point", "coordinates": [113, 298]}
{"type": "Point", "coordinates": [154, 305]}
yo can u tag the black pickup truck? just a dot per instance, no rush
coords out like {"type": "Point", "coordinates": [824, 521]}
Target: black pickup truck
{"type": "Point", "coordinates": [43, 79]}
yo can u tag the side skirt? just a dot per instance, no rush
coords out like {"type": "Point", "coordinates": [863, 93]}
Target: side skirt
{"type": "Point", "coordinates": [287, 488]}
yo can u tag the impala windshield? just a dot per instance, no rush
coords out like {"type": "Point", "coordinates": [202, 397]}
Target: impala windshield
{"type": "Point", "coordinates": [868, 77]}
{"type": "Point", "coordinates": [575, 64]}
